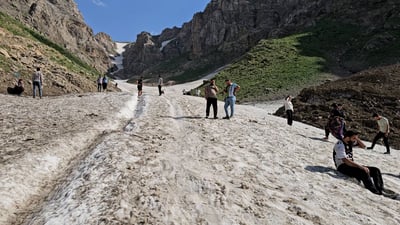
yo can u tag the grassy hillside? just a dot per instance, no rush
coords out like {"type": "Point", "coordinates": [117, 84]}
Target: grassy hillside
{"type": "Point", "coordinates": [56, 53]}
{"type": "Point", "coordinates": [276, 67]}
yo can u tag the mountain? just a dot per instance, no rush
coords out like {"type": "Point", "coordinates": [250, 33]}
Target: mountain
{"type": "Point", "coordinates": [227, 29]}
{"type": "Point", "coordinates": [51, 35]}
{"type": "Point", "coordinates": [62, 23]}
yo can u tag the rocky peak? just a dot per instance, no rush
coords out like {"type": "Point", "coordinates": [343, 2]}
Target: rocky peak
{"type": "Point", "coordinates": [61, 22]}
{"type": "Point", "coordinates": [106, 42]}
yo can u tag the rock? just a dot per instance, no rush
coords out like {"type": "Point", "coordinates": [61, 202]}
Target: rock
{"type": "Point", "coordinates": [62, 23]}
{"type": "Point", "coordinates": [4, 52]}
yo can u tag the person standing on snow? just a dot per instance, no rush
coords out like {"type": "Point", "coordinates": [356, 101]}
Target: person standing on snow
{"type": "Point", "coordinates": [289, 110]}
{"type": "Point", "coordinates": [37, 82]}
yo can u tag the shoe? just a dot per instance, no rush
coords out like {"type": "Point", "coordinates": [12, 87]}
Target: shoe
{"type": "Point", "coordinates": [226, 117]}
{"type": "Point", "coordinates": [370, 148]}
{"type": "Point", "coordinates": [388, 153]}
{"type": "Point", "coordinates": [325, 138]}
{"type": "Point", "coordinates": [206, 117]}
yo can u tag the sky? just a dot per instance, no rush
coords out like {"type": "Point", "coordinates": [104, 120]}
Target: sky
{"type": "Point", "coordinates": [123, 20]}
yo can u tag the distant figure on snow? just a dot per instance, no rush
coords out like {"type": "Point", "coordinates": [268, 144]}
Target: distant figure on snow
{"type": "Point", "coordinates": [18, 88]}
{"type": "Point", "coordinates": [140, 86]}
{"type": "Point", "coordinates": [99, 83]}
{"type": "Point", "coordinates": [383, 131]}
{"type": "Point", "coordinates": [160, 84]}
{"type": "Point", "coordinates": [289, 109]}
{"type": "Point", "coordinates": [37, 82]}
{"type": "Point", "coordinates": [336, 123]}
{"type": "Point", "coordinates": [210, 93]}
{"type": "Point", "coordinates": [105, 83]}
{"type": "Point", "coordinates": [230, 99]}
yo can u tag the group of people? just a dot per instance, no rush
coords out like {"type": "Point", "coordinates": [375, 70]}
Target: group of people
{"type": "Point", "coordinates": [102, 83]}
{"type": "Point", "coordinates": [336, 125]}
{"type": "Point", "coordinates": [343, 149]}
{"type": "Point", "coordinates": [210, 93]}
{"type": "Point", "coordinates": [159, 85]}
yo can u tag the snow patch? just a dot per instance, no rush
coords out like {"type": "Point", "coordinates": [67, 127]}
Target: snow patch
{"type": "Point", "coordinates": [165, 43]}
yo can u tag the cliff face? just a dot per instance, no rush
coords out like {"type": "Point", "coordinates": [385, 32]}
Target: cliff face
{"type": "Point", "coordinates": [61, 22]}
{"type": "Point", "coordinates": [228, 28]}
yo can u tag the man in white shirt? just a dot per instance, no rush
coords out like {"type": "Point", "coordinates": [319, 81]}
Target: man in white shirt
{"type": "Point", "coordinates": [343, 158]}
{"type": "Point", "coordinates": [289, 110]}
{"type": "Point", "coordinates": [383, 131]}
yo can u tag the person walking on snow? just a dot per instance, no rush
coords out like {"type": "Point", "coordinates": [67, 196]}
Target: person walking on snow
{"type": "Point", "coordinates": [210, 93]}
{"type": "Point", "coordinates": [289, 110]}
{"type": "Point", "coordinates": [383, 131]}
{"type": "Point", "coordinates": [160, 83]}
{"type": "Point", "coordinates": [140, 86]}
{"type": "Point", "coordinates": [230, 99]}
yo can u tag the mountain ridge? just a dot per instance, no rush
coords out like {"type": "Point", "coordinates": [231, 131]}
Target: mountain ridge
{"type": "Point", "coordinates": [227, 29]}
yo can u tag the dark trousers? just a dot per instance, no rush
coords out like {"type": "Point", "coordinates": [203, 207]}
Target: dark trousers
{"type": "Point", "coordinates": [159, 90]}
{"type": "Point", "coordinates": [376, 186]}
{"type": "Point", "coordinates": [289, 115]}
{"type": "Point", "coordinates": [214, 103]}
{"type": "Point", "coordinates": [385, 140]}
{"type": "Point", "coordinates": [37, 84]}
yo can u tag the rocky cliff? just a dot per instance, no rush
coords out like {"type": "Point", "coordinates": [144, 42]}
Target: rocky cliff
{"type": "Point", "coordinates": [61, 22]}
{"type": "Point", "coordinates": [228, 28]}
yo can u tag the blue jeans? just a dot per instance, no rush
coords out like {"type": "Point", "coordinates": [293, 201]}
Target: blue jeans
{"type": "Point", "coordinates": [38, 84]}
{"type": "Point", "coordinates": [230, 101]}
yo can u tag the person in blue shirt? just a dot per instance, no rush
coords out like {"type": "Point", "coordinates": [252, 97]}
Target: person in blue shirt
{"type": "Point", "coordinates": [230, 99]}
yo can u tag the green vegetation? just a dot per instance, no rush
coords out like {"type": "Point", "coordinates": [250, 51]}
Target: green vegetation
{"type": "Point", "coordinates": [192, 74]}
{"type": "Point", "coordinates": [60, 55]}
{"type": "Point", "coordinates": [276, 67]}
{"type": "Point", "coordinates": [275, 64]}
{"type": "Point", "coordinates": [4, 64]}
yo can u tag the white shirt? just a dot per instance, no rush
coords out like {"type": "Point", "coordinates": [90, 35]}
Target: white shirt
{"type": "Point", "coordinates": [288, 105]}
{"type": "Point", "coordinates": [383, 124]}
{"type": "Point", "coordinates": [160, 81]}
{"type": "Point", "coordinates": [341, 151]}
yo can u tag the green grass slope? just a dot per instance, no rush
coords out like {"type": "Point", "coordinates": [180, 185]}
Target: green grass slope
{"type": "Point", "coordinates": [277, 67]}
{"type": "Point", "coordinates": [57, 54]}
